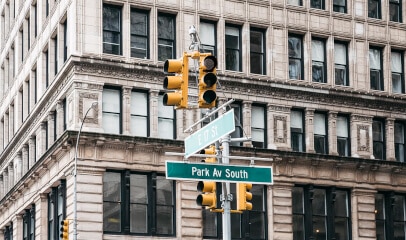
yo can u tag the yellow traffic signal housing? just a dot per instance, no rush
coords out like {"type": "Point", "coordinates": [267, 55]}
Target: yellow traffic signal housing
{"type": "Point", "coordinates": [64, 230]}
{"type": "Point", "coordinates": [208, 197]}
{"type": "Point", "coordinates": [207, 81]}
{"type": "Point", "coordinates": [244, 196]}
{"type": "Point", "coordinates": [178, 82]}
{"type": "Point", "coordinates": [211, 150]}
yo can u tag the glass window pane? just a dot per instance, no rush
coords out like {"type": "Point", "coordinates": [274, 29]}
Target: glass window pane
{"type": "Point", "coordinates": [296, 119]}
{"type": "Point", "coordinates": [375, 59]}
{"type": "Point", "coordinates": [165, 128]}
{"type": "Point", "coordinates": [165, 220]}
{"type": "Point", "coordinates": [166, 27]}
{"type": "Point", "coordinates": [298, 227]}
{"type": "Point", "coordinates": [295, 2]}
{"type": "Point", "coordinates": [111, 100]}
{"type": "Point", "coordinates": [256, 63]}
{"type": "Point", "coordinates": [319, 202]}
{"type": "Point", "coordinates": [396, 62]}
{"type": "Point", "coordinates": [111, 18]}
{"type": "Point", "coordinates": [257, 225]}
{"type": "Point", "coordinates": [377, 129]}
{"type": "Point", "coordinates": [341, 204]}
{"type": "Point", "coordinates": [256, 41]}
{"type": "Point", "coordinates": [139, 103]}
{"type": "Point", "coordinates": [295, 69]}
{"type": "Point", "coordinates": [319, 227]}
{"type": "Point", "coordinates": [257, 135]}
{"type": "Point", "coordinates": [164, 111]}
{"type": "Point", "coordinates": [318, 50]}
{"type": "Point", "coordinates": [398, 230]}
{"type": "Point", "coordinates": [139, 126]}
{"type": "Point", "coordinates": [111, 217]}
{"type": "Point", "coordinates": [138, 218]}
{"type": "Point", "coordinates": [111, 123]}
{"type": "Point", "coordinates": [340, 54]}
{"type": "Point", "coordinates": [341, 228]}
{"type": "Point", "coordinates": [342, 126]}
{"type": "Point", "coordinates": [399, 208]}
{"type": "Point", "coordinates": [257, 117]}
{"type": "Point", "coordinates": [139, 22]}
{"type": "Point", "coordinates": [164, 191]}
{"type": "Point", "coordinates": [295, 47]}
{"type": "Point", "coordinates": [258, 202]}
{"type": "Point", "coordinates": [209, 223]}
{"type": "Point", "coordinates": [112, 187]}
{"type": "Point", "coordinates": [397, 83]}
{"type": "Point", "coordinates": [320, 124]}
{"type": "Point", "coordinates": [138, 188]}
{"type": "Point", "coordinates": [399, 133]}
{"type": "Point", "coordinates": [297, 200]}
{"type": "Point", "coordinates": [207, 33]}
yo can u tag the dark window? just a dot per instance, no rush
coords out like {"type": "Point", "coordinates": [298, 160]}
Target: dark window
{"type": "Point", "coordinates": [56, 210]}
{"type": "Point", "coordinates": [208, 35]}
{"type": "Point", "coordinates": [390, 216]}
{"type": "Point", "coordinates": [321, 213]}
{"type": "Point", "coordinates": [295, 2]}
{"type": "Point", "coordinates": [65, 40]}
{"type": "Point", "coordinates": [340, 64]}
{"type": "Point", "coordinates": [29, 224]}
{"type": "Point", "coordinates": [319, 73]}
{"type": "Point", "coordinates": [340, 6]}
{"type": "Point", "coordinates": [35, 12]}
{"type": "Point", "coordinates": [166, 37]}
{"type": "Point", "coordinates": [343, 133]}
{"type": "Point", "coordinates": [375, 68]}
{"type": "Point", "coordinates": [297, 130]}
{"type": "Point", "coordinates": [400, 141]}
{"type": "Point", "coordinates": [132, 203]}
{"type": "Point", "coordinates": [295, 57]}
{"type": "Point", "coordinates": [55, 42]}
{"type": "Point", "coordinates": [378, 132]}
{"type": "Point", "coordinates": [258, 126]}
{"type": "Point", "coordinates": [395, 10]}
{"type": "Point", "coordinates": [111, 110]}
{"type": "Point", "coordinates": [47, 8]}
{"type": "Point", "coordinates": [54, 113]}
{"type": "Point", "coordinates": [374, 9]}
{"type": "Point", "coordinates": [238, 133]}
{"type": "Point", "coordinates": [317, 4]}
{"type": "Point", "coordinates": [320, 133]}
{"type": "Point", "coordinates": [139, 114]}
{"type": "Point", "coordinates": [46, 69]}
{"type": "Point", "coordinates": [139, 33]}
{"type": "Point", "coordinates": [248, 225]}
{"type": "Point", "coordinates": [233, 48]}
{"type": "Point", "coordinates": [112, 29]}
{"type": "Point", "coordinates": [35, 78]}
{"type": "Point", "coordinates": [65, 114]}
{"type": "Point", "coordinates": [257, 51]}
{"type": "Point", "coordinates": [397, 64]}
{"type": "Point", "coordinates": [8, 232]}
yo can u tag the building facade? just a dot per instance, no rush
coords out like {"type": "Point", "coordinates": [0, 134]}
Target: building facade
{"type": "Point", "coordinates": [318, 85]}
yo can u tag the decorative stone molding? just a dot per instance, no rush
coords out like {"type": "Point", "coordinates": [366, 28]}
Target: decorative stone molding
{"type": "Point", "coordinates": [92, 96]}
{"type": "Point", "coordinates": [280, 129]}
{"type": "Point", "coordinates": [273, 108]}
{"type": "Point", "coordinates": [363, 138]}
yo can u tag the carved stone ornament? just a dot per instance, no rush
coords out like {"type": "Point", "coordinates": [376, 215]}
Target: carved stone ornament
{"type": "Point", "coordinates": [363, 138]}
{"type": "Point", "coordinates": [280, 131]}
{"type": "Point", "coordinates": [94, 98]}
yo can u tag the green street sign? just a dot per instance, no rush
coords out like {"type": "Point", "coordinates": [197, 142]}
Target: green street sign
{"type": "Point", "coordinates": [219, 173]}
{"type": "Point", "coordinates": [210, 133]}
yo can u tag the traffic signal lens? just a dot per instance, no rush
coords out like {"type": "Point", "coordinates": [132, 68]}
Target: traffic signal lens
{"type": "Point", "coordinates": [209, 96]}
{"type": "Point", "coordinates": [210, 62]}
{"type": "Point", "coordinates": [210, 79]}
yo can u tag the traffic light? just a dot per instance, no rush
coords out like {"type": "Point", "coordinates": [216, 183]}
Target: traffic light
{"type": "Point", "coordinates": [211, 150]}
{"type": "Point", "coordinates": [64, 229]}
{"type": "Point", "coordinates": [244, 196]}
{"type": "Point", "coordinates": [178, 82]}
{"type": "Point", "coordinates": [207, 81]}
{"type": "Point", "coordinates": [208, 197]}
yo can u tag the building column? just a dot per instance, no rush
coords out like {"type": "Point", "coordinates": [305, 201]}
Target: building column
{"type": "Point", "coordinates": [154, 94]}
{"type": "Point", "coordinates": [390, 141]}
{"type": "Point", "coordinates": [51, 128]}
{"type": "Point", "coordinates": [31, 151]}
{"type": "Point", "coordinates": [18, 227]}
{"type": "Point", "coordinates": [18, 161]}
{"type": "Point", "coordinates": [332, 133]}
{"type": "Point", "coordinates": [41, 216]}
{"type": "Point", "coordinates": [309, 129]}
{"type": "Point", "coordinates": [25, 160]}
{"type": "Point", "coordinates": [1, 186]}
{"type": "Point", "coordinates": [41, 140]}
{"type": "Point", "coordinates": [363, 217]}
{"type": "Point", "coordinates": [60, 116]}
{"type": "Point", "coordinates": [280, 210]}
{"type": "Point", "coordinates": [5, 181]}
{"type": "Point", "coordinates": [10, 175]}
{"type": "Point", "coordinates": [126, 110]}
{"type": "Point", "coordinates": [246, 119]}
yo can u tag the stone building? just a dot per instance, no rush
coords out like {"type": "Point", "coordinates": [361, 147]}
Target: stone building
{"type": "Point", "coordinates": [319, 86]}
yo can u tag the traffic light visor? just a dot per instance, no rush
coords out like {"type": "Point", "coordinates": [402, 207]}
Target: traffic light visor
{"type": "Point", "coordinates": [173, 66]}
{"type": "Point", "coordinates": [206, 199]}
{"type": "Point", "coordinates": [172, 98]}
{"type": "Point", "coordinates": [173, 82]}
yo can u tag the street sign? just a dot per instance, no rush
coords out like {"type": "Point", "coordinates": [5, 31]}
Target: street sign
{"type": "Point", "coordinates": [218, 173]}
{"type": "Point", "coordinates": [210, 133]}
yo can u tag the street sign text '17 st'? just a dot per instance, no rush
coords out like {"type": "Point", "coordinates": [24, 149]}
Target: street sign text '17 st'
{"type": "Point", "coordinates": [210, 133]}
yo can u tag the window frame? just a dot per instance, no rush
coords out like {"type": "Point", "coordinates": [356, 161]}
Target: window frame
{"type": "Point", "coordinates": [56, 209]}
{"type": "Point", "coordinates": [152, 203]}
{"type": "Point", "coordinates": [174, 135]}
{"type": "Point", "coordinates": [321, 2]}
{"type": "Point", "coordinates": [145, 36]}
{"type": "Point", "coordinates": [262, 54]}
{"type": "Point", "coordinates": [118, 32]}
{"type": "Point", "coordinates": [319, 63]}
{"type": "Point", "coordinates": [294, 59]}
{"type": "Point", "coordinates": [237, 67]}
{"type": "Point", "coordinates": [401, 74]}
{"type": "Point", "coordinates": [325, 149]}
{"type": "Point", "coordinates": [398, 9]}
{"type": "Point", "coordinates": [341, 66]}
{"type": "Point", "coordinates": [160, 39]}
{"type": "Point", "coordinates": [147, 116]}
{"type": "Point", "coordinates": [238, 117]}
{"type": "Point", "coordinates": [205, 48]}
{"type": "Point", "coordinates": [118, 113]}
{"type": "Point", "coordinates": [378, 14]}
{"type": "Point", "coordinates": [302, 135]}
{"type": "Point", "coordinates": [379, 142]}
{"type": "Point", "coordinates": [29, 223]}
{"type": "Point", "coordinates": [400, 151]}
{"type": "Point", "coordinates": [378, 85]}
{"type": "Point", "coordinates": [346, 139]}
{"type": "Point", "coordinates": [385, 222]}
{"type": "Point", "coordinates": [264, 129]}
{"type": "Point", "coordinates": [337, 6]}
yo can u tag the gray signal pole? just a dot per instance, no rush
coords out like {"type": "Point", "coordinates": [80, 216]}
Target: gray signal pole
{"type": "Point", "coordinates": [226, 195]}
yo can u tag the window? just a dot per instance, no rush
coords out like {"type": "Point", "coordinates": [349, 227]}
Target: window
{"type": "Point", "coordinates": [46, 59]}
{"type": "Point", "coordinates": [248, 225]}
{"type": "Point", "coordinates": [166, 120]}
{"type": "Point", "coordinates": [395, 10]}
{"type": "Point", "coordinates": [132, 202]}
{"type": "Point", "coordinates": [207, 35]}
{"type": "Point", "coordinates": [238, 133]}
{"type": "Point", "coordinates": [321, 213]}
{"type": "Point", "coordinates": [112, 29]}
{"type": "Point", "coordinates": [340, 64]}
{"type": "Point", "coordinates": [400, 141]}
{"type": "Point", "coordinates": [320, 133]}
{"type": "Point", "coordinates": [139, 114]}
{"type": "Point", "coordinates": [390, 216]}
{"type": "Point", "coordinates": [375, 68]}
{"type": "Point", "coordinates": [295, 57]}
{"type": "Point", "coordinates": [297, 130]}
{"type": "Point", "coordinates": [398, 85]}
{"type": "Point", "coordinates": [257, 51]}
{"type": "Point", "coordinates": [55, 44]}
{"type": "Point", "coordinates": [374, 9]}
{"type": "Point", "coordinates": [295, 2]}
{"type": "Point", "coordinates": [340, 6]}
{"type": "Point", "coordinates": [378, 132]}
{"type": "Point", "coordinates": [166, 37]}
{"type": "Point", "coordinates": [319, 61]}
{"type": "Point", "coordinates": [112, 110]}
{"type": "Point", "coordinates": [319, 4]}
{"type": "Point", "coordinates": [343, 140]}
{"type": "Point", "coordinates": [258, 126]}
{"type": "Point", "coordinates": [139, 33]}
{"type": "Point", "coordinates": [29, 224]}
{"type": "Point", "coordinates": [8, 232]}
{"type": "Point", "coordinates": [56, 210]}
{"type": "Point", "coordinates": [65, 40]}
{"type": "Point", "coordinates": [233, 46]}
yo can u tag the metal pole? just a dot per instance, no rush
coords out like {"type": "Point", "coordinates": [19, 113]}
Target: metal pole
{"type": "Point", "coordinates": [75, 173]}
{"type": "Point", "coordinates": [225, 143]}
